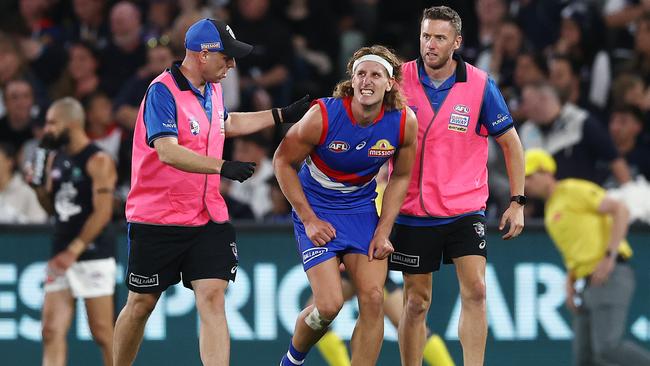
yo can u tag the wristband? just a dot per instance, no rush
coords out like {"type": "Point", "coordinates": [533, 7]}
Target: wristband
{"type": "Point", "coordinates": [276, 116]}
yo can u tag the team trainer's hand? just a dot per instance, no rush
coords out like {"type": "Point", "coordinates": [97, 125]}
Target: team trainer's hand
{"type": "Point", "coordinates": [294, 111]}
{"type": "Point", "coordinates": [237, 170]}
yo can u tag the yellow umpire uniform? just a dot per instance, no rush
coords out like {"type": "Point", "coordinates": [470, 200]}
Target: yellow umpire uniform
{"type": "Point", "coordinates": [588, 228]}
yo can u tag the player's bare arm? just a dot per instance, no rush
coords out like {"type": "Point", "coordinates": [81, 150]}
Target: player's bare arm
{"type": "Point", "coordinates": [293, 150]}
{"type": "Point", "coordinates": [514, 156]}
{"type": "Point", "coordinates": [380, 247]}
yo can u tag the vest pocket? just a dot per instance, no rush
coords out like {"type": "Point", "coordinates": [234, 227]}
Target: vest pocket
{"type": "Point", "coordinates": [185, 202]}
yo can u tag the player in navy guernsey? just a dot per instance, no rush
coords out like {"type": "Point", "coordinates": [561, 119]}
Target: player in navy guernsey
{"type": "Point", "coordinates": [78, 191]}
{"type": "Point", "coordinates": [342, 142]}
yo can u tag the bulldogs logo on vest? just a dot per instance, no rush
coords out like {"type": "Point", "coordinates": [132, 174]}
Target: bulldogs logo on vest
{"type": "Point", "coordinates": [195, 128]}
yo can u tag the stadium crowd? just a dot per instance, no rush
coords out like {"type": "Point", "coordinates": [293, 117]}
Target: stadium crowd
{"type": "Point", "coordinates": [575, 74]}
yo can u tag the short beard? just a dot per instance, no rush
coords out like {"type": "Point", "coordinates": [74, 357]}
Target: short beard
{"type": "Point", "coordinates": [440, 65]}
{"type": "Point", "coordinates": [52, 142]}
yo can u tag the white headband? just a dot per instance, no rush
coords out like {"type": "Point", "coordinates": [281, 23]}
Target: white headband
{"type": "Point", "coordinates": [378, 59]}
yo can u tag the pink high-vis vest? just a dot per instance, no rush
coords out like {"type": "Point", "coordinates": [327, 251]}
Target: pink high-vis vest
{"type": "Point", "coordinates": [163, 195]}
{"type": "Point", "coordinates": [450, 169]}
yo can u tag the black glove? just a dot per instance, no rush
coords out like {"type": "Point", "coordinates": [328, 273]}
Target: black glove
{"type": "Point", "coordinates": [293, 112]}
{"type": "Point", "coordinates": [237, 170]}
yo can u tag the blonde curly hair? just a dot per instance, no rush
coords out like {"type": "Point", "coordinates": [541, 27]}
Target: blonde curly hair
{"type": "Point", "coordinates": [393, 99]}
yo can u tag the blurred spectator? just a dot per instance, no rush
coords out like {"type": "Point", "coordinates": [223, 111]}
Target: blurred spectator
{"type": "Point", "coordinates": [315, 44]}
{"type": "Point", "coordinates": [280, 208]}
{"type": "Point", "coordinates": [255, 190]}
{"type": "Point", "coordinates": [177, 34]}
{"type": "Point", "coordinates": [196, 7]}
{"type": "Point", "coordinates": [530, 67]}
{"type": "Point", "coordinates": [101, 126]}
{"type": "Point", "coordinates": [619, 16]}
{"type": "Point", "coordinates": [591, 64]}
{"type": "Point", "coordinates": [266, 73]}
{"type": "Point", "coordinates": [481, 22]}
{"type": "Point", "coordinates": [565, 78]}
{"type": "Point", "coordinates": [13, 66]}
{"type": "Point", "coordinates": [80, 77]}
{"type": "Point", "coordinates": [562, 74]}
{"type": "Point", "coordinates": [625, 126]}
{"type": "Point", "coordinates": [400, 18]}
{"type": "Point", "coordinates": [499, 59]}
{"type": "Point", "coordinates": [41, 39]}
{"type": "Point", "coordinates": [160, 16]}
{"type": "Point", "coordinates": [539, 19]}
{"type": "Point", "coordinates": [580, 144]}
{"type": "Point", "coordinates": [641, 61]}
{"type": "Point", "coordinates": [128, 100]}
{"type": "Point", "coordinates": [126, 51]}
{"type": "Point", "coordinates": [16, 125]}
{"type": "Point", "coordinates": [231, 92]}
{"type": "Point", "coordinates": [127, 103]}
{"type": "Point", "coordinates": [18, 202]}
{"type": "Point", "coordinates": [629, 88]}
{"type": "Point", "coordinates": [236, 210]}
{"type": "Point", "coordinates": [490, 14]}
{"type": "Point", "coordinates": [90, 25]}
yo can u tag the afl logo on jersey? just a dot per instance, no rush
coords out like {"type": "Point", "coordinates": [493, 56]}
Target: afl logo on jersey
{"type": "Point", "coordinates": [195, 128]}
{"type": "Point", "coordinates": [338, 146]}
{"type": "Point", "coordinates": [381, 148]}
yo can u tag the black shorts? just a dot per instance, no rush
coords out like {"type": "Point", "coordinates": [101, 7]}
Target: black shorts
{"type": "Point", "coordinates": [420, 249]}
{"type": "Point", "coordinates": [159, 256]}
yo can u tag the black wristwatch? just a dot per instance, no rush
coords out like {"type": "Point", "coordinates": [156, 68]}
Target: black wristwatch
{"type": "Point", "coordinates": [519, 199]}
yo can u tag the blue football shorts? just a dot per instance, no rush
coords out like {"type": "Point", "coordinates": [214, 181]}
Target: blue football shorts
{"type": "Point", "coordinates": [354, 232]}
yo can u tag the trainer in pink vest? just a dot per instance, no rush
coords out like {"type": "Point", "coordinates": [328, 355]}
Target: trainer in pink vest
{"type": "Point", "coordinates": [163, 195]}
{"type": "Point", "coordinates": [450, 169]}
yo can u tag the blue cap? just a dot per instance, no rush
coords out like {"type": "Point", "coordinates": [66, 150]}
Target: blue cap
{"type": "Point", "coordinates": [215, 36]}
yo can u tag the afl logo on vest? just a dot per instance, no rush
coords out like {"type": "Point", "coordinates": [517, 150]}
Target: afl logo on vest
{"type": "Point", "coordinates": [338, 146]}
{"type": "Point", "coordinates": [461, 108]}
{"type": "Point", "coordinates": [195, 128]}
{"type": "Point", "coordinates": [381, 148]}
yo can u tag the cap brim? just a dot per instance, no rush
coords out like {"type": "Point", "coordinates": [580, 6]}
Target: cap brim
{"type": "Point", "coordinates": [237, 49]}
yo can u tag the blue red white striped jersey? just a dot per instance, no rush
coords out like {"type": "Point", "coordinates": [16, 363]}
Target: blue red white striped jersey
{"type": "Point", "coordinates": [339, 174]}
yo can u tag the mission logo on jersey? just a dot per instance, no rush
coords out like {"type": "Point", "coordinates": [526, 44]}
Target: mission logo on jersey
{"type": "Point", "coordinates": [381, 148]}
